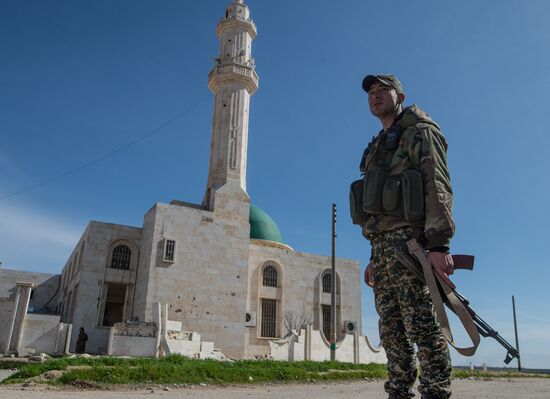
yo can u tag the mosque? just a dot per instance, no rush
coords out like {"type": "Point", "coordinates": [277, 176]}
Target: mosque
{"type": "Point", "coordinates": [221, 268]}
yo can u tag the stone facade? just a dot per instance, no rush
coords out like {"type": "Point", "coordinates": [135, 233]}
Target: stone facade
{"type": "Point", "coordinates": [86, 277]}
{"type": "Point", "coordinates": [205, 284]}
{"type": "Point", "coordinates": [299, 292]}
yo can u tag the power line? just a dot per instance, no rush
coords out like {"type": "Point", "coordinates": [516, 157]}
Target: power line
{"type": "Point", "coordinates": [108, 155]}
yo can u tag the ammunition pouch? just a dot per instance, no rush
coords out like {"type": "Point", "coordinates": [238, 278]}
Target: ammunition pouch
{"type": "Point", "coordinates": [358, 215]}
{"type": "Point", "coordinates": [413, 195]}
{"type": "Point", "coordinates": [373, 184]}
{"type": "Point", "coordinates": [377, 193]}
{"type": "Point", "coordinates": [391, 196]}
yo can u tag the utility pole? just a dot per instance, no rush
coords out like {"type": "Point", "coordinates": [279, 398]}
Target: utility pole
{"type": "Point", "coordinates": [516, 331]}
{"type": "Point", "coordinates": [333, 289]}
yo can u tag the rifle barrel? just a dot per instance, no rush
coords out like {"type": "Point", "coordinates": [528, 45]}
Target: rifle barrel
{"type": "Point", "coordinates": [484, 329]}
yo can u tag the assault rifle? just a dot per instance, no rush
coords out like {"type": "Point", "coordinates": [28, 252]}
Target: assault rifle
{"type": "Point", "coordinates": [412, 256]}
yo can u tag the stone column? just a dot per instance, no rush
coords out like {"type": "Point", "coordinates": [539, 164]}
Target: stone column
{"type": "Point", "coordinates": [307, 351]}
{"type": "Point", "coordinates": [111, 337]}
{"type": "Point", "coordinates": [356, 355]}
{"type": "Point", "coordinates": [22, 298]}
{"type": "Point", "coordinates": [68, 339]}
{"type": "Point", "coordinates": [157, 319]}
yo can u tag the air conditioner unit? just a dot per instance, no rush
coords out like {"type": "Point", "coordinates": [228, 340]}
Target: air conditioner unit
{"type": "Point", "coordinates": [250, 319]}
{"type": "Point", "coordinates": [350, 326]}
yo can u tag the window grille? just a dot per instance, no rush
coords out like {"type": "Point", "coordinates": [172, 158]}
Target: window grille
{"type": "Point", "coordinates": [269, 318]}
{"type": "Point", "coordinates": [327, 283]}
{"type": "Point", "coordinates": [169, 250]}
{"type": "Point", "coordinates": [326, 320]}
{"type": "Point", "coordinates": [122, 255]}
{"type": "Point", "coordinates": [270, 276]}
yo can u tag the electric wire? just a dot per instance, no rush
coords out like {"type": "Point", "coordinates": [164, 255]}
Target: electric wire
{"type": "Point", "coordinates": [109, 154]}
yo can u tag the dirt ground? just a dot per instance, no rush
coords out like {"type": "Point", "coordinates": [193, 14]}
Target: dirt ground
{"type": "Point", "coordinates": [525, 388]}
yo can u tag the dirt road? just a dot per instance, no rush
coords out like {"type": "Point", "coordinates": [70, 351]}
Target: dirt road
{"type": "Point", "coordinates": [527, 388]}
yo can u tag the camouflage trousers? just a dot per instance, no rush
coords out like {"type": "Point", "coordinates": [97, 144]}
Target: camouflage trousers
{"type": "Point", "coordinates": [407, 318]}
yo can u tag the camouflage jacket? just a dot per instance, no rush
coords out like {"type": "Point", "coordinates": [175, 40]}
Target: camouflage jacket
{"type": "Point", "coordinates": [421, 147]}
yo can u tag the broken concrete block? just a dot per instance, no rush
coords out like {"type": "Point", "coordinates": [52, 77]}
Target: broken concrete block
{"type": "Point", "coordinates": [207, 347]}
{"type": "Point", "coordinates": [25, 352]}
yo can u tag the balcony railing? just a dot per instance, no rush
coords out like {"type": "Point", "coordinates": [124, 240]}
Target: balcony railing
{"type": "Point", "coordinates": [234, 68]}
{"type": "Point", "coordinates": [249, 20]}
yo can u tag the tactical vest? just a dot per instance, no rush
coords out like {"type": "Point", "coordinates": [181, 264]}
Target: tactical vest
{"type": "Point", "coordinates": [379, 193]}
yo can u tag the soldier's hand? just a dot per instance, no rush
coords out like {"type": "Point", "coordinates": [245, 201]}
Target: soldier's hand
{"type": "Point", "coordinates": [443, 265]}
{"type": "Point", "coordinates": [368, 275]}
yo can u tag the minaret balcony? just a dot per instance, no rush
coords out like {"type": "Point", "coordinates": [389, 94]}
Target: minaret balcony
{"type": "Point", "coordinates": [233, 73]}
{"type": "Point", "coordinates": [236, 23]}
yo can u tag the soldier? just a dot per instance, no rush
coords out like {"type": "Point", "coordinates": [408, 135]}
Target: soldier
{"type": "Point", "coordinates": [81, 341]}
{"type": "Point", "coordinates": [407, 193]}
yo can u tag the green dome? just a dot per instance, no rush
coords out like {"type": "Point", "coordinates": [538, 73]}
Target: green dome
{"type": "Point", "coordinates": [262, 226]}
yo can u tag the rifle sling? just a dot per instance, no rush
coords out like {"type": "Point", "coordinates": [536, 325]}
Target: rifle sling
{"type": "Point", "coordinates": [454, 303]}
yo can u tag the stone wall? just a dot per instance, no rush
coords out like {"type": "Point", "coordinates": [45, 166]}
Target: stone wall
{"type": "Point", "coordinates": [142, 339]}
{"type": "Point", "coordinates": [46, 286]}
{"type": "Point", "coordinates": [370, 353]}
{"type": "Point", "coordinates": [6, 313]}
{"type": "Point", "coordinates": [206, 284]}
{"type": "Point", "coordinates": [132, 346]}
{"type": "Point", "coordinates": [320, 348]}
{"type": "Point", "coordinates": [189, 347]}
{"type": "Point", "coordinates": [64, 332]}
{"type": "Point", "coordinates": [300, 290]}
{"type": "Point", "coordinates": [308, 344]}
{"type": "Point", "coordinates": [142, 310]}
{"type": "Point", "coordinates": [40, 333]}
{"type": "Point", "coordinates": [44, 299]}
{"type": "Point", "coordinates": [133, 339]}
{"type": "Point", "coordinates": [87, 281]}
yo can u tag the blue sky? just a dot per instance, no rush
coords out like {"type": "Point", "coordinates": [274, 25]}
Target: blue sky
{"type": "Point", "coordinates": [79, 79]}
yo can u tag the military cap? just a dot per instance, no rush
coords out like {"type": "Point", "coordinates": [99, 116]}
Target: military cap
{"type": "Point", "coordinates": [386, 80]}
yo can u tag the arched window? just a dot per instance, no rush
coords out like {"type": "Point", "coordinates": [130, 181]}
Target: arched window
{"type": "Point", "coordinates": [327, 283]}
{"type": "Point", "coordinates": [122, 255]}
{"type": "Point", "coordinates": [270, 276]}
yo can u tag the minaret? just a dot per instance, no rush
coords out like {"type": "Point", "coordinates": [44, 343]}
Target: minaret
{"type": "Point", "coordinates": [232, 80]}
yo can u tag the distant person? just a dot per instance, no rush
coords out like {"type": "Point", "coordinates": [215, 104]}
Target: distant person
{"type": "Point", "coordinates": [406, 193]}
{"type": "Point", "coordinates": [81, 341]}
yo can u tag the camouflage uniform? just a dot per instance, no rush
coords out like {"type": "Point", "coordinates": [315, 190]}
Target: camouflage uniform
{"type": "Point", "coordinates": [406, 318]}
{"type": "Point", "coordinates": [421, 147]}
{"type": "Point", "coordinates": [402, 301]}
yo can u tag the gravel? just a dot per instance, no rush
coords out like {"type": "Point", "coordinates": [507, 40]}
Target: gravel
{"type": "Point", "coordinates": [524, 388]}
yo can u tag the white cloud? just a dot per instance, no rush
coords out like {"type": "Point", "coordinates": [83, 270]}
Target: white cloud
{"type": "Point", "coordinates": [34, 240]}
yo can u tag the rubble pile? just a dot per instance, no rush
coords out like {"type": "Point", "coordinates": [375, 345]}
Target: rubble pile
{"type": "Point", "coordinates": [135, 329]}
